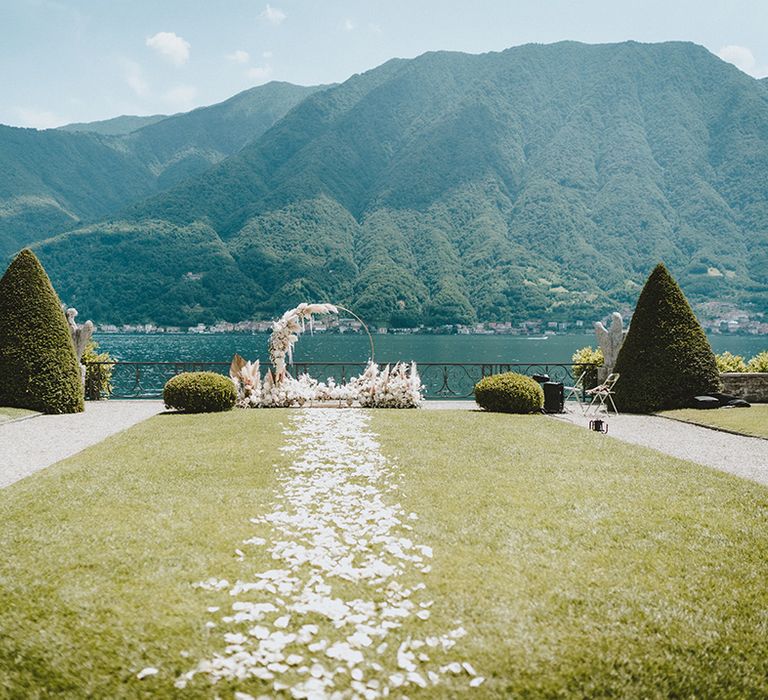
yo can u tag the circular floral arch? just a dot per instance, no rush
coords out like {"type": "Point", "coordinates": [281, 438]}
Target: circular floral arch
{"type": "Point", "coordinates": [392, 387]}
{"type": "Point", "coordinates": [286, 331]}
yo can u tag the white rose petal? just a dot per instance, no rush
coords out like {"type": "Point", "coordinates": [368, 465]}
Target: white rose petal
{"type": "Point", "coordinates": [469, 668]}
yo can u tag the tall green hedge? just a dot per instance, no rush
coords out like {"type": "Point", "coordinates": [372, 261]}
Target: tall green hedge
{"type": "Point", "coordinates": [666, 358]}
{"type": "Point", "coordinates": [38, 367]}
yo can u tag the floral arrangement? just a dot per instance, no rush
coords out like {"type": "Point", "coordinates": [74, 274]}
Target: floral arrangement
{"type": "Point", "coordinates": [285, 333]}
{"type": "Point", "coordinates": [395, 387]}
{"type": "Point", "coordinates": [398, 387]}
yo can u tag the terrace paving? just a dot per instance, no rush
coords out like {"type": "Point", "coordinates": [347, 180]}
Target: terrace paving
{"type": "Point", "coordinates": [743, 456]}
{"type": "Point", "coordinates": [31, 444]}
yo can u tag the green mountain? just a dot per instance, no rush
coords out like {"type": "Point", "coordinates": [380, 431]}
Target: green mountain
{"type": "Point", "coordinates": [117, 126]}
{"type": "Point", "coordinates": [115, 271]}
{"type": "Point", "coordinates": [545, 179]}
{"type": "Point", "coordinates": [55, 180]}
{"type": "Point", "coordinates": [52, 180]}
{"type": "Point", "coordinates": [188, 144]}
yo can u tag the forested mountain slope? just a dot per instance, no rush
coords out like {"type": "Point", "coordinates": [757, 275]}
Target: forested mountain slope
{"type": "Point", "coordinates": [451, 187]}
{"type": "Point", "coordinates": [54, 180]}
{"type": "Point", "coordinates": [188, 144]}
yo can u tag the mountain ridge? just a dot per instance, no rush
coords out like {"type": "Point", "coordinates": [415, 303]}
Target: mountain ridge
{"type": "Point", "coordinates": [542, 179]}
{"type": "Point", "coordinates": [188, 144]}
{"type": "Point", "coordinates": [56, 179]}
{"type": "Point", "coordinates": [114, 126]}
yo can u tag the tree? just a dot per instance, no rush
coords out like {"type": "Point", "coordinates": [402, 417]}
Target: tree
{"type": "Point", "coordinates": [38, 366]}
{"type": "Point", "coordinates": [448, 306]}
{"type": "Point", "coordinates": [666, 358]}
{"type": "Point", "coordinates": [387, 295]}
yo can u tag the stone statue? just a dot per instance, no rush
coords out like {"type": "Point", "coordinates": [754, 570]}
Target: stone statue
{"type": "Point", "coordinates": [610, 341]}
{"type": "Point", "coordinates": [81, 334]}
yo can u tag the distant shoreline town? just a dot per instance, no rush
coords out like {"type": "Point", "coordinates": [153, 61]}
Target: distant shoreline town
{"type": "Point", "coordinates": [733, 323]}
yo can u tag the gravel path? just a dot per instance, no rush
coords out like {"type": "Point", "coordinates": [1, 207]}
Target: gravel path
{"type": "Point", "coordinates": [740, 455]}
{"type": "Point", "coordinates": [26, 446]}
{"type": "Point", "coordinates": [450, 405]}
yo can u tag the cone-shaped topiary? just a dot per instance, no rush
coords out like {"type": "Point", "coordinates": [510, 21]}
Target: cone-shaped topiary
{"type": "Point", "coordinates": [666, 358]}
{"type": "Point", "coordinates": [38, 367]}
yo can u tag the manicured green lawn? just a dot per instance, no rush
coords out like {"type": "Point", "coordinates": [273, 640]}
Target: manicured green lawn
{"type": "Point", "coordinates": [7, 413]}
{"type": "Point", "coordinates": [584, 567]}
{"type": "Point", "coordinates": [748, 421]}
{"type": "Point", "coordinates": [99, 553]}
{"type": "Point", "coordinates": [580, 567]}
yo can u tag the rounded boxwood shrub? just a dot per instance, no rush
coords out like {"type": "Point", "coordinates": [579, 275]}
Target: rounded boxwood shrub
{"type": "Point", "coordinates": [666, 358]}
{"type": "Point", "coordinates": [38, 366]}
{"type": "Point", "coordinates": [199, 392]}
{"type": "Point", "coordinates": [509, 393]}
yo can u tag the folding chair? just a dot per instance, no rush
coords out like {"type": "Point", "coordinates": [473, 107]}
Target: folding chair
{"type": "Point", "coordinates": [602, 394]}
{"type": "Point", "coordinates": [576, 391]}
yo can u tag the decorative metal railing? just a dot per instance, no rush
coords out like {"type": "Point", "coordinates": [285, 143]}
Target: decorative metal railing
{"type": "Point", "coordinates": [441, 380]}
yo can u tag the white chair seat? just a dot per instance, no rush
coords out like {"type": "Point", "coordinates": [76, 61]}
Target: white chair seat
{"type": "Point", "coordinates": [602, 395]}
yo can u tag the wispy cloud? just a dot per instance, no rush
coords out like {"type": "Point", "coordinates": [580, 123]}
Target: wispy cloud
{"type": "Point", "coordinates": [171, 46]}
{"type": "Point", "coordinates": [743, 58]}
{"type": "Point", "coordinates": [273, 15]}
{"type": "Point", "coordinates": [260, 74]}
{"type": "Point", "coordinates": [135, 78]}
{"type": "Point", "coordinates": [38, 119]}
{"type": "Point", "coordinates": [239, 56]}
{"type": "Point", "coordinates": [267, 54]}
{"type": "Point", "coordinates": [349, 25]}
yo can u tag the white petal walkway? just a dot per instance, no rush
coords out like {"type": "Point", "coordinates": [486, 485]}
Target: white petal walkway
{"type": "Point", "coordinates": [325, 622]}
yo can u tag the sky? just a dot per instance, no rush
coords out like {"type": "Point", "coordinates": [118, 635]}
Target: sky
{"type": "Point", "coordinates": [67, 61]}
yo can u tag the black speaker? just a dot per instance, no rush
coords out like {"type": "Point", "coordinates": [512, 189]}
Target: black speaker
{"type": "Point", "coordinates": [553, 397]}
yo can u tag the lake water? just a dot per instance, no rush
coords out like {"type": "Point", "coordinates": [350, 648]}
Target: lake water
{"type": "Point", "coordinates": [388, 348]}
